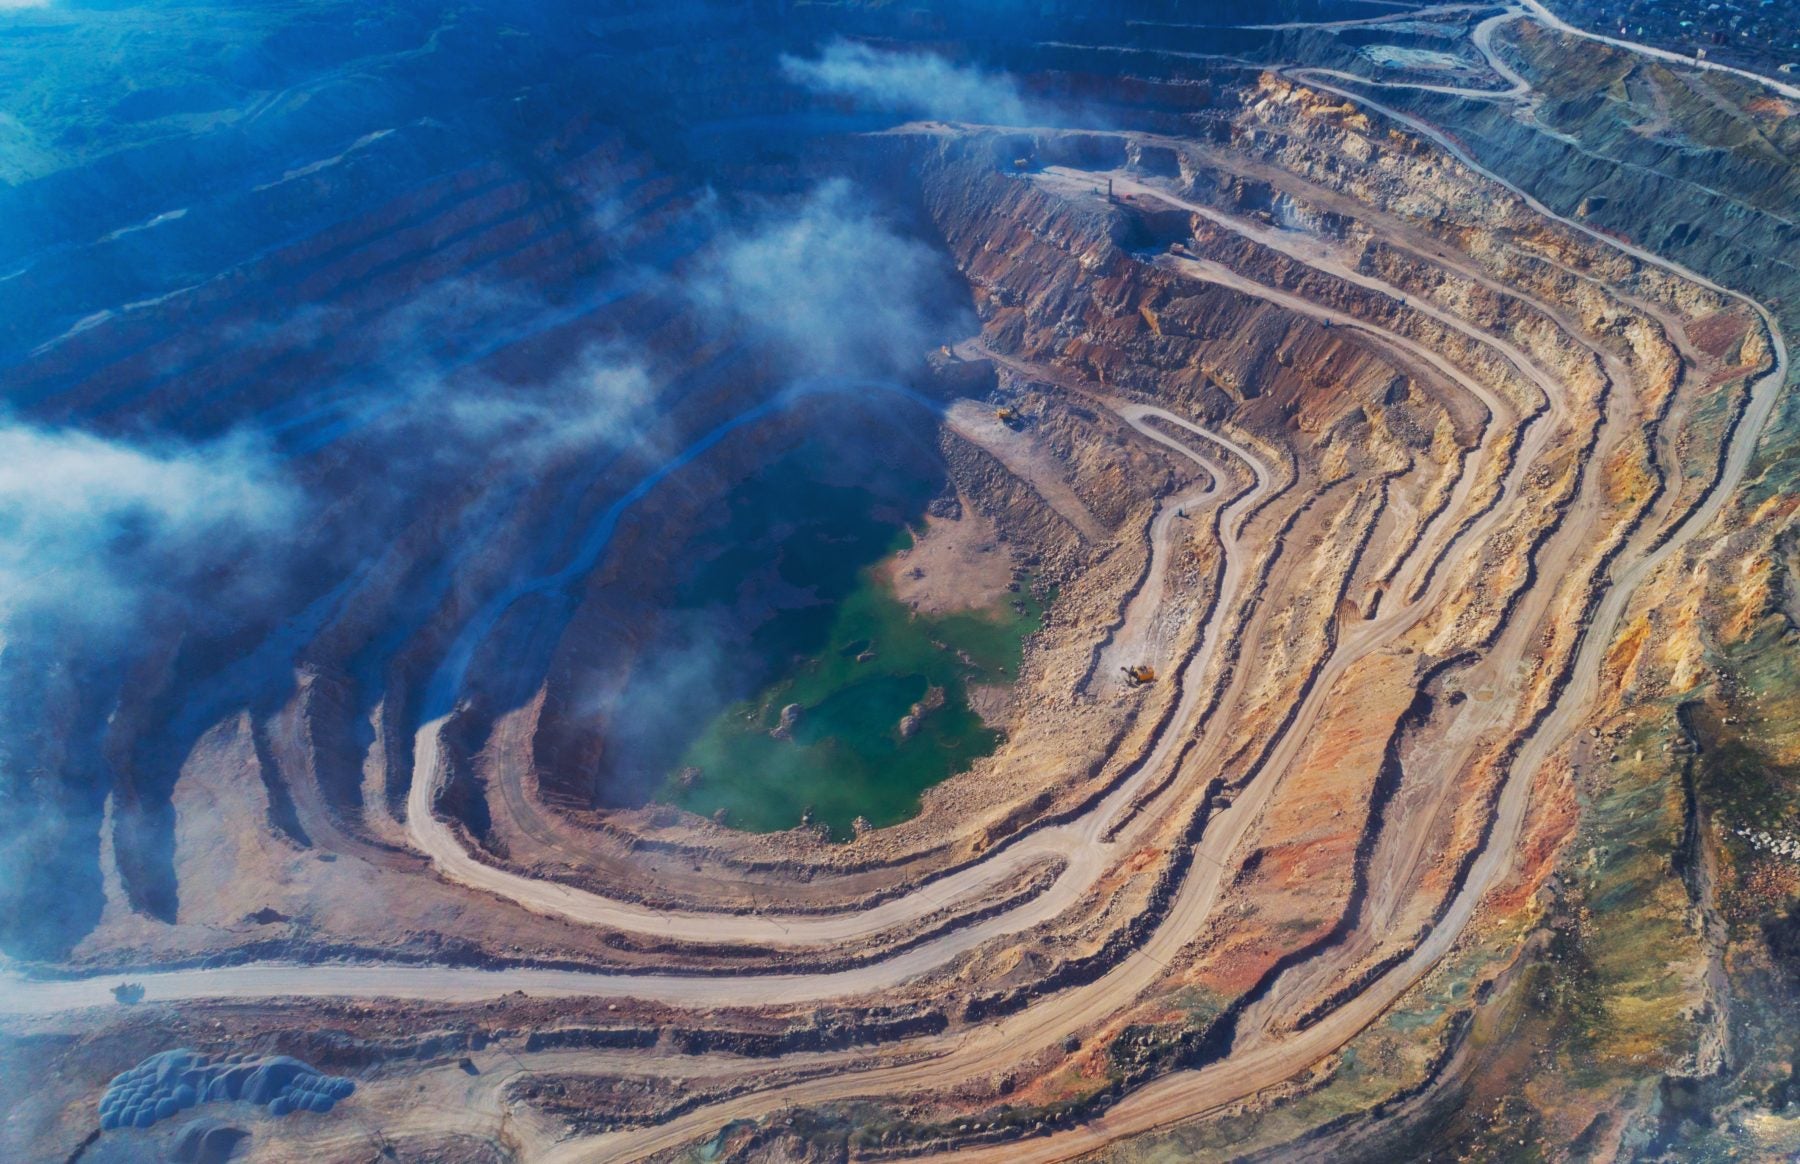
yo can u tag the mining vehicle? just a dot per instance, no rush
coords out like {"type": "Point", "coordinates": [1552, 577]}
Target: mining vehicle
{"type": "Point", "coordinates": [1139, 675]}
{"type": "Point", "coordinates": [1007, 415]}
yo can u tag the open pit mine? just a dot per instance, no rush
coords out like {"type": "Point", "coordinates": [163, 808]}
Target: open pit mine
{"type": "Point", "coordinates": [840, 581]}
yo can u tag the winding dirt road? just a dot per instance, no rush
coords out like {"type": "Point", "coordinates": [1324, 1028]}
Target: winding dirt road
{"type": "Point", "coordinates": [1079, 844]}
{"type": "Point", "coordinates": [1550, 19]}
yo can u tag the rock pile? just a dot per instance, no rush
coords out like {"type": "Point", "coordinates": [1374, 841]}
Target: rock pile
{"type": "Point", "coordinates": [173, 1081]}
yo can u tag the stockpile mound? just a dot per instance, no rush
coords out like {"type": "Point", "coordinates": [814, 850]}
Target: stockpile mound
{"type": "Point", "coordinates": [173, 1081]}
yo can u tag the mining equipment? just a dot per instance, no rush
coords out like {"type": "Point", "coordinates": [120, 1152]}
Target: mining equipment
{"type": "Point", "coordinates": [1140, 675]}
{"type": "Point", "coordinates": [1007, 415]}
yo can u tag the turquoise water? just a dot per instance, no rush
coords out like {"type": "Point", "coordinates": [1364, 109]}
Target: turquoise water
{"type": "Point", "coordinates": [847, 756]}
{"type": "Point", "coordinates": [780, 596]}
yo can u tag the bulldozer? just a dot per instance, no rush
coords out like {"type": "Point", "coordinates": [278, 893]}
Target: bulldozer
{"type": "Point", "coordinates": [1139, 675]}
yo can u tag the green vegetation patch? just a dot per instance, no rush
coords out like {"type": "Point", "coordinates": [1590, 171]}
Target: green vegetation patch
{"type": "Point", "coordinates": [1619, 970]}
{"type": "Point", "coordinates": [1743, 776]}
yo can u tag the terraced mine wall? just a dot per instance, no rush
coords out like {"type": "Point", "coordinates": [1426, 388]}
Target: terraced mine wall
{"type": "Point", "coordinates": [1423, 429]}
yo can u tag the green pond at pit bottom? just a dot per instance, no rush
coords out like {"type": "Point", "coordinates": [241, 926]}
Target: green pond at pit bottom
{"type": "Point", "coordinates": [846, 757]}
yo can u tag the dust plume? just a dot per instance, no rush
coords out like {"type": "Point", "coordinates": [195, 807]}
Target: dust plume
{"type": "Point", "coordinates": [918, 84]}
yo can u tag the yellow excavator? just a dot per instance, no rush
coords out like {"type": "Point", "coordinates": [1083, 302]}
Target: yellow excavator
{"type": "Point", "coordinates": [1007, 415]}
{"type": "Point", "coordinates": [1139, 675]}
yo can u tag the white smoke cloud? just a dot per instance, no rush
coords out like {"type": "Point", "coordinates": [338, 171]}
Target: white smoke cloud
{"type": "Point", "coordinates": [921, 84]}
{"type": "Point", "coordinates": [91, 528]}
{"type": "Point", "coordinates": [603, 404]}
{"type": "Point", "coordinates": [834, 287]}
{"type": "Point", "coordinates": [430, 423]}
{"type": "Point", "coordinates": [418, 408]}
